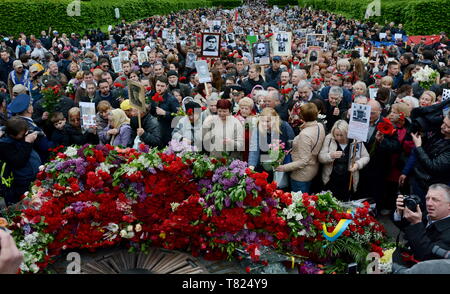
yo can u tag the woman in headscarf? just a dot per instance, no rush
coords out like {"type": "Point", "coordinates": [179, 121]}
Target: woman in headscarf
{"type": "Point", "coordinates": [118, 131]}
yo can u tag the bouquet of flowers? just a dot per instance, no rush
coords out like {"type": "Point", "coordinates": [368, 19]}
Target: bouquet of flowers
{"type": "Point", "coordinates": [277, 153]}
{"type": "Point", "coordinates": [93, 197]}
{"type": "Point", "coordinates": [426, 77]}
{"type": "Point", "coordinates": [70, 90]}
{"type": "Point", "coordinates": [51, 97]}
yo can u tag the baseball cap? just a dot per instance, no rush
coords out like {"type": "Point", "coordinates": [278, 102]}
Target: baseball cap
{"type": "Point", "coordinates": [19, 89]}
{"type": "Point", "coordinates": [20, 104]}
{"type": "Point", "coordinates": [17, 63]}
{"type": "Point", "coordinates": [146, 64]}
{"type": "Point", "coordinates": [276, 58]}
{"type": "Point", "coordinates": [172, 73]}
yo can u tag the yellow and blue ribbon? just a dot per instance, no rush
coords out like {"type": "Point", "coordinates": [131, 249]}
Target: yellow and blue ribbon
{"type": "Point", "coordinates": [337, 232]}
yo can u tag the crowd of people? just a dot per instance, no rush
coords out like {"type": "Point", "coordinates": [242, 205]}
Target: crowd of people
{"type": "Point", "coordinates": [296, 100]}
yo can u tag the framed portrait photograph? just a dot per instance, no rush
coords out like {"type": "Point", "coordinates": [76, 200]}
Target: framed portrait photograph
{"type": "Point", "coordinates": [316, 40]}
{"type": "Point", "coordinates": [191, 57]}
{"type": "Point", "coordinates": [261, 53]}
{"type": "Point", "coordinates": [281, 44]}
{"type": "Point", "coordinates": [136, 94]}
{"type": "Point", "coordinates": [211, 44]}
{"type": "Point", "coordinates": [231, 39]}
{"type": "Point", "coordinates": [124, 55]}
{"type": "Point", "coordinates": [314, 53]}
{"type": "Point", "coordinates": [116, 64]}
{"type": "Point", "coordinates": [142, 57]}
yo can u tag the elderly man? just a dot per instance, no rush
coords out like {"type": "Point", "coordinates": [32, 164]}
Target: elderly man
{"type": "Point", "coordinates": [174, 83]}
{"type": "Point", "coordinates": [18, 76]}
{"type": "Point", "coordinates": [336, 107]}
{"type": "Point", "coordinates": [54, 74]}
{"type": "Point", "coordinates": [297, 76]}
{"type": "Point", "coordinates": [427, 234]}
{"type": "Point", "coordinates": [337, 80]}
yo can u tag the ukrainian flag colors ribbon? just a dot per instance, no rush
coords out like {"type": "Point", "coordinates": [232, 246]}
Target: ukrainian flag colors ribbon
{"type": "Point", "coordinates": [337, 232]}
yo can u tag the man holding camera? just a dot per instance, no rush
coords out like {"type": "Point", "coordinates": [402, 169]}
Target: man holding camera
{"type": "Point", "coordinates": [428, 235]}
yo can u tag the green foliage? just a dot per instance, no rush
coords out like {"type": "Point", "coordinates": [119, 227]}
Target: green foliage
{"type": "Point", "coordinates": [226, 3]}
{"type": "Point", "coordinates": [31, 17]}
{"type": "Point", "coordinates": [281, 3]}
{"type": "Point", "coordinates": [419, 17]}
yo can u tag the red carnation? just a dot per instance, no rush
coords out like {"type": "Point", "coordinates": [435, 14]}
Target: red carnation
{"type": "Point", "coordinates": [157, 98]}
{"type": "Point", "coordinates": [148, 89]}
{"type": "Point", "coordinates": [203, 108]}
{"type": "Point", "coordinates": [190, 111]}
{"type": "Point", "coordinates": [182, 78]}
{"type": "Point", "coordinates": [123, 78]}
{"type": "Point", "coordinates": [386, 127]}
{"type": "Point", "coordinates": [119, 85]}
{"type": "Point", "coordinates": [269, 35]}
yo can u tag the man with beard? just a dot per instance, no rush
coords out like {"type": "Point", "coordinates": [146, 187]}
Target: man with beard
{"type": "Point", "coordinates": [174, 83]}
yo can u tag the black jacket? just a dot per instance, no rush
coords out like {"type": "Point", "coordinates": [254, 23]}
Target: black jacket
{"type": "Point", "coordinates": [77, 137]}
{"type": "Point", "coordinates": [433, 161]}
{"type": "Point", "coordinates": [185, 90]}
{"type": "Point", "coordinates": [63, 106]}
{"type": "Point", "coordinates": [170, 105]}
{"type": "Point", "coordinates": [422, 239]}
{"type": "Point", "coordinates": [5, 69]}
{"type": "Point", "coordinates": [151, 126]}
{"type": "Point", "coordinates": [249, 84]}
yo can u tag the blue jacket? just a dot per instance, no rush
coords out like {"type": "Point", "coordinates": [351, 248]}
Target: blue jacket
{"type": "Point", "coordinates": [347, 95]}
{"type": "Point", "coordinates": [287, 134]}
{"type": "Point", "coordinates": [23, 174]}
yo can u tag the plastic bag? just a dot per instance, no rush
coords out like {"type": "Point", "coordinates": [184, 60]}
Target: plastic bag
{"type": "Point", "coordinates": [281, 178]}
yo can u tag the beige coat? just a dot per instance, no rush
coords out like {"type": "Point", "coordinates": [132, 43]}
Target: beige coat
{"type": "Point", "coordinates": [215, 131]}
{"type": "Point", "coordinates": [305, 148]}
{"type": "Point", "coordinates": [330, 145]}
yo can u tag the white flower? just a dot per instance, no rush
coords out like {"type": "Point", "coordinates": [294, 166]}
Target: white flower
{"type": "Point", "coordinates": [112, 227]}
{"type": "Point", "coordinates": [130, 228]}
{"type": "Point", "coordinates": [138, 228]}
{"type": "Point", "coordinates": [71, 151]}
{"type": "Point", "coordinates": [34, 268]}
{"type": "Point", "coordinates": [174, 206]}
{"type": "Point", "coordinates": [123, 233]}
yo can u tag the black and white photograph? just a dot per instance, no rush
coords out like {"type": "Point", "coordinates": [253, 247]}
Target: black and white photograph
{"type": "Point", "coordinates": [314, 53]}
{"type": "Point", "coordinates": [116, 64]}
{"type": "Point", "coordinates": [316, 40]}
{"type": "Point", "coordinates": [142, 57]}
{"type": "Point", "coordinates": [238, 31]}
{"type": "Point", "coordinates": [191, 57]}
{"type": "Point", "coordinates": [136, 94]}
{"type": "Point", "coordinates": [360, 115]}
{"type": "Point", "coordinates": [211, 44]}
{"type": "Point", "coordinates": [231, 39]}
{"type": "Point", "coordinates": [358, 127]}
{"type": "Point", "coordinates": [203, 72]}
{"type": "Point", "coordinates": [124, 55]}
{"type": "Point", "coordinates": [261, 53]}
{"type": "Point", "coordinates": [281, 44]}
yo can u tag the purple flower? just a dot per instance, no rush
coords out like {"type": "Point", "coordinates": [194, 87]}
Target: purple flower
{"type": "Point", "coordinates": [227, 201]}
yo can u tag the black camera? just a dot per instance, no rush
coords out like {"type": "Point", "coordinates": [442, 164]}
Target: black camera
{"type": "Point", "coordinates": [411, 201]}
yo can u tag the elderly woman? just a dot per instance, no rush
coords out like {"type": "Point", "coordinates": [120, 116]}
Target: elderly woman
{"type": "Point", "coordinates": [335, 106]}
{"type": "Point", "coordinates": [305, 150]}
{"type": "Point", "coordinates": [223, 132]}
{"type": "Point", "coordinates": [343, 66]}
{"type": "Point", "coordinates": [77, 135]}
{"type": "Point", "coordinates": [189, 127]}
{"type": "Point", "coordinates": [341, 156]}
{"type": "Point", "coordinates": [260, 97]}
{"type": "Point", "coordinates": [211, 108]}
{"type": "Point", "coordinates": [244, 115]}
{"type": "Point", "coordinates": [269, 128]}
{"type": "Point", "coordinates": [118, 131]}
{"type": "Point", "coordinates": [359, 89]}
{"type": "Point", "coordinates": [427, 98]}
